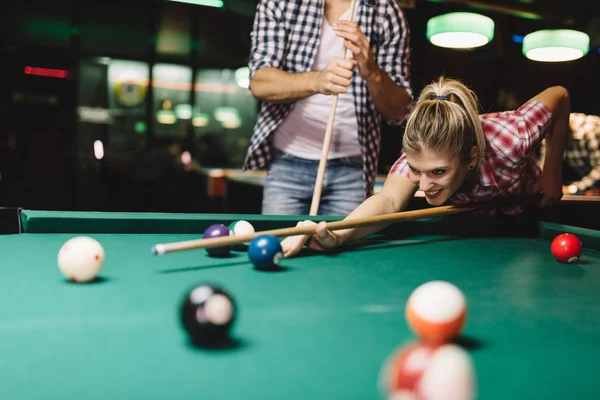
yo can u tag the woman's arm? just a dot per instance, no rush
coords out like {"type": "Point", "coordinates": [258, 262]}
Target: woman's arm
{"type": "Point", "coordinates": [395, 196]}
{"type": "Point", "coordinates": [550, 183]}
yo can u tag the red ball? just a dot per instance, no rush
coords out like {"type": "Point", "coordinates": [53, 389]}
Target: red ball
{"type": "Point", "coordinates": [426, 372]}
{"type": "Point", "coordinates": [403, 369]}
{"type": "Point", "coordinates": [566, 248]}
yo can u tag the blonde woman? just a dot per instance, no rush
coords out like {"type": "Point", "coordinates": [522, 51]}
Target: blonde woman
{"type": "Point", "coordinates": [456, 156]}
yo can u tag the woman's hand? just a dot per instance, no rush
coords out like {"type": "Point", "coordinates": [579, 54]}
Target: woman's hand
{"type": "Point", "coordinates": [322, 240]}
{"type": "Point", "coordinates": [550, 184]}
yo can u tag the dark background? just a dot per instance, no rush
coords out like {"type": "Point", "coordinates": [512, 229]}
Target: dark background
{"type": "Point", "coordinates": [49, 125]}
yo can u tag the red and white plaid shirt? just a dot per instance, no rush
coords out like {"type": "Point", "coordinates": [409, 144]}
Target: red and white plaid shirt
{"type": "Point", "coordinates": [510, 167]}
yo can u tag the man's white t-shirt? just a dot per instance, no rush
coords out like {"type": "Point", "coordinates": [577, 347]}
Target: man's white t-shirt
{"type": "Point", "coordinates": [302, 132]}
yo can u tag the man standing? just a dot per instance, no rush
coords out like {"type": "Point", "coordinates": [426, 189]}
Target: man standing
{"type": "Point", "coordinates": [295, 68]}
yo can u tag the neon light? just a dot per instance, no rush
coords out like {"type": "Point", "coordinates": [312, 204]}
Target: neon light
{"type": "Point", "coordinates": [52, 73]}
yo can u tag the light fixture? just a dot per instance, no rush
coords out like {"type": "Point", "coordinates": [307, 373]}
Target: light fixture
{"type": "Point", "coordinates": [200, 119]}
{"type": "Point", "coordinates": [228, 117]}
{"type": "Point", "coordinates": [140, 127]}
{"type": "Point", "coordinates": [205, 3]}
{"type": "Point", "coordinates": [98, 150]}
{"type": "Point", "coordinates": [242, 77]}
{"type": "Point", "coordinates": [554, 45]}
{"type": "Point", "coordinates": [183, 111]}
{"type": "Point", "coordinates": [166, 117]}
{"type": "Point", "coordinates": [460, 30]}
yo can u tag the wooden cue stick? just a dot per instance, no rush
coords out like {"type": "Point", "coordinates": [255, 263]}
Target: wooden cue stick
{"type": "Point", "coordinates": [316, 199]}
{"type": "Point", "coordinates": [193, 244]}
{"type": "Point", "coordinates": [160, 249]}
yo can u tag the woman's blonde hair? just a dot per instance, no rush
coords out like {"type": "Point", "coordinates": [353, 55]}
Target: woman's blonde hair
{"type": "Point", "coordinates": [445, 118]}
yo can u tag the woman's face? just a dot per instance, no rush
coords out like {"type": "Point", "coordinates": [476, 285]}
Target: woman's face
{"type": "Point", "coordinates": [437, 174]}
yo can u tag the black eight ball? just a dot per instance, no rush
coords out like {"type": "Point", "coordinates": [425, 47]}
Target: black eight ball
{"type": "Point", "coordinates": [207, 314]}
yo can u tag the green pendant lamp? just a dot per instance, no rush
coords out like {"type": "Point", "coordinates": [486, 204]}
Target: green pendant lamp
{"type": "Point", "coordinates": [205, 3]}
{"type": "Point", "coordinates": [555, 45]}
{"type": "Point", "coordinates": [460, 30]}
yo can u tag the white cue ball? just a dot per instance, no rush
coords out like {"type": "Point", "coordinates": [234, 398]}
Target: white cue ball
{"type": "Point", "coordinates": [80, 259]}
{"type": "Point", "coordinates": [242, 227]}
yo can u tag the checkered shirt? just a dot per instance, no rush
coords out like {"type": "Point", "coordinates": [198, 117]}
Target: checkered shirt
{"type": "Point", "coordinates": [286, 35]}
{"type": "Point", "coordinates": [583, 150]}
{"type": "Point", "coordinates": [510, 167]}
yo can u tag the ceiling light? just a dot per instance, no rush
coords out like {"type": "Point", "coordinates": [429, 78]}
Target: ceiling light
{"type": "Point", "coordinates": [206, 3]}
{"type": "Point", "coordinates": [460, 30]}
{"type": "Point", "coordinates": [556, 45]}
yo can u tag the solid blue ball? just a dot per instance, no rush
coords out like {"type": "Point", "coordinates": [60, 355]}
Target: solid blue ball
{"type": "Point", "coordinates": [265, 252]}
{"type": "Point", "coordinates": [214, 231]}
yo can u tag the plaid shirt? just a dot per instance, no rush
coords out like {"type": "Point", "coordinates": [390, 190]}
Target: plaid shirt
{"type": "Point", "coordinates": [286, 34]}
{"type": "Point", "coordinates": [510, 167]}
{"type": "Point", "coordinates": [583, 150]}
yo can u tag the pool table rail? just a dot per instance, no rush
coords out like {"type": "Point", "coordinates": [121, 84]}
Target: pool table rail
{"type": "Point", "coordinates": [454, 226]}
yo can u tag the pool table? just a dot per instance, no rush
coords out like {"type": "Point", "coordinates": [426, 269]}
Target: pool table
{"type": "Point", "coordinates": [320, 327]}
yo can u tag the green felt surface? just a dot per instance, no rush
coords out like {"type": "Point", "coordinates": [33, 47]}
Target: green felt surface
{"type": "Point", "coordinates": [319, 329]}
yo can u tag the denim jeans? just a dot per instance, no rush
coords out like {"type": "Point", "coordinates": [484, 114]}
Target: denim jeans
{"type": "Point", "coordinates": [291, 180]}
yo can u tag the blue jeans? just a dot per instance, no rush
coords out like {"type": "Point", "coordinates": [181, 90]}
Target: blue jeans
{"type": "Point", "coordinates": [291, 180]}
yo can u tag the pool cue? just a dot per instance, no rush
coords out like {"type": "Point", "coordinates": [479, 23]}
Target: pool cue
{"type": "Point", "coordinates": [193, 244]}
{"type": "Point", "coordinates": [316, 199]}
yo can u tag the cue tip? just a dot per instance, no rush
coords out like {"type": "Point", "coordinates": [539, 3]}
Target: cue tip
{"type": "Point", "coordinates": [158, 250]}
